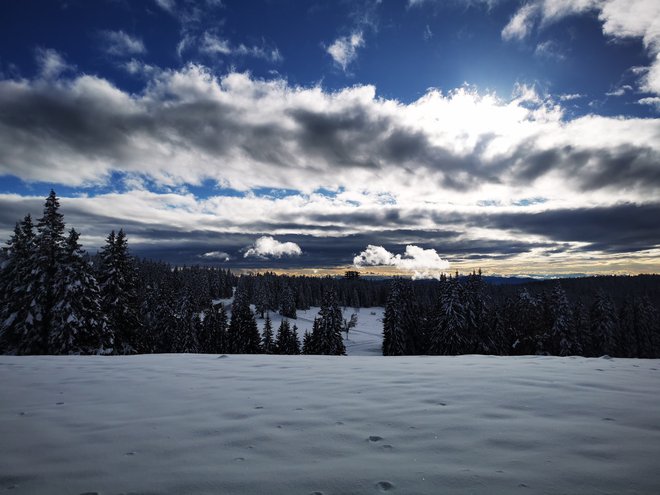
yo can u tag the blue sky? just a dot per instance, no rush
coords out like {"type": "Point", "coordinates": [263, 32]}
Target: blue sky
{"type": "Point", "coordinates": [516, 136]}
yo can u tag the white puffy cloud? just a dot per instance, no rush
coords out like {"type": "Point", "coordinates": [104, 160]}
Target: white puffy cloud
{"type": "Point", "coordinates": [216, 255]}
{"type": "Point", "coordinates": [120, 43]}
{"type": "Point", "coordinates": [344, 49]}
{"type": "Point", "coordinates": [422, 263]}
{"type": "Point", "coordinates": [268, 247]}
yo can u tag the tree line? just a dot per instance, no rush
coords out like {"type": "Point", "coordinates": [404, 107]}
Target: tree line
{"type": "Point", "coordinates": [57, 299]}
{"type": "Point", "coordinates": [469, 317]}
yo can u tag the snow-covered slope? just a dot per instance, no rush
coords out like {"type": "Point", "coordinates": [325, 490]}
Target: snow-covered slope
{"type": "Point", "coordinates": [178, 424]}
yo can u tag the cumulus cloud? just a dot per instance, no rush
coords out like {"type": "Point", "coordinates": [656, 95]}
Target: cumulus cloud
{"type": "Point", "coordinates": [216, 255]}
{"type": "Point", "coordinates": [422, 263]}
{"type": "Point", "coordinates": [268, 247]}
{"type": "Point", "coordinates": [119, 43]}
{"type": "Point", "coordinates": [344, 49]}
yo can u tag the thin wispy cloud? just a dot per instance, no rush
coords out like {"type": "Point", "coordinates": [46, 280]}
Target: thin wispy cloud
{"type": "Point", "coordinates": [119, 43]}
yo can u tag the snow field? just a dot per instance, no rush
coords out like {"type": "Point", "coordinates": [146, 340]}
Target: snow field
{"type": "Point", "coordinates": [239, 424]}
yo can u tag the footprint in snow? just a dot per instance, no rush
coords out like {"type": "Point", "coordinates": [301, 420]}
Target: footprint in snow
{"type": "Point", "coordinates": [384, 486]}
{"type": "Point", "coordinates": [375, 438]}
{"type": "Point", "coordinates": [239, 459]}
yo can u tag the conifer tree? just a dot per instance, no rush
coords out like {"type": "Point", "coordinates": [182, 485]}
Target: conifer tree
{"type": "Point", "coordinates": [307, 344]}
{"type": "Point", "coordinates": [295, 341]}
{"type": "Point", "coordinates": [117, 278]}
{"type": "Point", "coordinates": [398, 321]}
{"type": "Point", "coordinates": [18, 334]}
{"type": "Point", "coordinates": [560, 332]}
{"type": "Point", "coordinates": [603, 325]}
{"type": "Point", "coordinates": [267, 342]}
{"type": "Point", "coordinates": [326, 332]}
{"type": "Point", "coordinates": [48, 257]}
{"type": "Point", "coordinates": [213, 337]}
{"type": "Point", "coordinates": [78, 324]}
{"type": "Point", "coordinates": [449, 333]}
{"type": "Point", "coordinates": [243, 334]}
{"type": "Point", "coordinates": [283, 338]}
{"type": "Point", "coordinates": [288, 303]}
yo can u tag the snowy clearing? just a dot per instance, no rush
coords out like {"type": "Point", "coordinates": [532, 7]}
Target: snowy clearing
{"type": "Point", "coordinates": [240, 424]}
{"type": "Point", "coordinates": [363, 340]}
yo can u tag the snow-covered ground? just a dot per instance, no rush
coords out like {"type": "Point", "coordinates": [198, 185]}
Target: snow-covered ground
{"type": "Point", "coordinates": [179, 424]}
{"type": "Point", "coordinates": [363, 340]}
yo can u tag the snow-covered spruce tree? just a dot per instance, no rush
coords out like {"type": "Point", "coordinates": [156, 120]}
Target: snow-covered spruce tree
{"type": "Point", "coordinates": [579, 327]}
{"type": "Point", "coordinates": [627, 332]}
{"type": "Point", "coordinates": [187, 326]}
{"type": "Point", "coordinates": [283, 338]}
{"type": "Point", "coordinates": [213, 336]}
{"type": "Point", "coordinates": [326, 332]}
{"type": "Point", "coordinates": [307, 344]}
{"type": "Point", "coordinates": [78, 325]}
{"type": "Point", "coordinates": [18, 334]}
{"type": "Point", "coordinates": [260, 298]}
{"type": "Point", "coordinates": [478, 316]}
{"type": "Point", "coordinates": [561, 342]}
{"type": "Point", "coordinates": [448, 336]}
{"type": "Point", "coordinates": [243, 334]}
{"type": "Point", "coordinates": [287, 303]}
{"type": "Point", "coordinates": [295, 340]}
{"type": "Point", "coordinates": [398, 321]}
{"type": "Point", "coordinates": [603, 325]}
{"type": "Point", "coordinates": [50, 242]}
{"type": "Point", "coordinates": [117, 278]}
{"type": "Point", "coordinates": [267, 342]}
{"type": "Point", "coordinates": [648, 329]}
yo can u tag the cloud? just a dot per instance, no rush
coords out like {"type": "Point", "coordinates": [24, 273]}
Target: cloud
{"type": "Point", "coordinates": [621, 19]}
{"type": "Point", "coordinates": [216, 255]}
{"type": "Point", "coordinates": [168, 5]}
{"type": "Point", "coordinates": [211, 44]}
{"type": "Point", "coordinates": [267, 247]}
{"type": "Point", "coordinates": [120, 44]}
{"type": "Point", "coordinates": [620, 91]}
{"type": "Point", "coordinates": [549, 49]}
{"type": "Point", "coordinates": [571, 96]}
{"type": "Point", "coordinates": [187, 126]}
{"type": "Point", "coordinates": [423, 263]}
{"type": "Point", "coordinates": [654, 101]}
{"type": "Point", "coordinates": [51, 63]}
{"type": "Point", "coordinates": [521, 23]}
{"type": "Point", "coordinates": [344, 49]}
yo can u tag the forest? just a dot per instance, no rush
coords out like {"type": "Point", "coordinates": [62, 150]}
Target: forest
{"type": "Point", "coordinates": [57, 299]}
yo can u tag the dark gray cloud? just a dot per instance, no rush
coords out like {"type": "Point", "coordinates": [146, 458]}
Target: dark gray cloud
{"type": "Point", "coordinates": [619, 228]}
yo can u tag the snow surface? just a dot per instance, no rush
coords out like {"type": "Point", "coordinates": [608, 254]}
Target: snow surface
{"type": "Point", "coordinates": [237, 424]}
